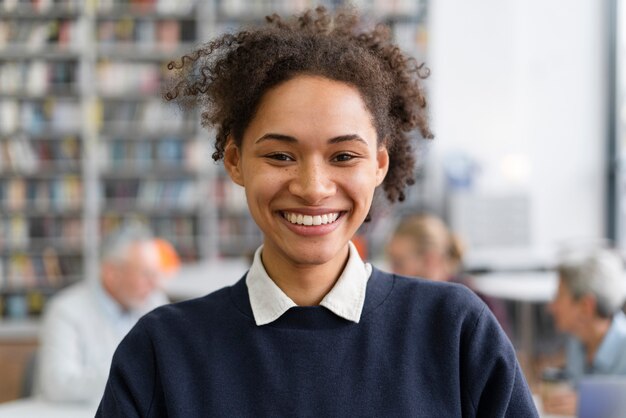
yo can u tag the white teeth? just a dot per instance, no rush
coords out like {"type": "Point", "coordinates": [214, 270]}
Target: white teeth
{"type": "Point", "coordinates": [309, 220]}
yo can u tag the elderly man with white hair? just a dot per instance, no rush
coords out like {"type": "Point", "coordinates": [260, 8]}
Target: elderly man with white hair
{"type": "Point", "coordinates": [588, 307]}
{"type": "Point", "coordinates": [85, 322]}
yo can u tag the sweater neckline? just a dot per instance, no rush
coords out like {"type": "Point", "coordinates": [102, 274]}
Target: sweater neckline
{"type": "Point", "coordinates": [379, 286]}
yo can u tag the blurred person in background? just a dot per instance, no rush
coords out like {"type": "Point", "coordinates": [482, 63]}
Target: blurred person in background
{"type": "Point", "coordinates": [588, 307]}
{"type": "Point", "coordinates": [423, 246]}
{"type": "Point", "coordinates": [84, 323]}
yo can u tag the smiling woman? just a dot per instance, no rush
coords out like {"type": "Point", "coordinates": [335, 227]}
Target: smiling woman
{"type": "Point", "coordinates": [312, 115]}
{"type": "Point", "coordinates": [298, 169]}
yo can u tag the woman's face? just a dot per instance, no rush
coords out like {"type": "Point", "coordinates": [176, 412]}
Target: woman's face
{"type": "Point", "coordinates": [309, 163]}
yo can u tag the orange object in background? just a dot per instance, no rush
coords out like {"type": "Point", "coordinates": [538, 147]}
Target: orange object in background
{"type": "Point", "coordinates": [360, 243]}
{"type": "Point", "coordinates": [170, 262]}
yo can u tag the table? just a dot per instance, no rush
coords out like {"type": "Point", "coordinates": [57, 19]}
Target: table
{"type": "Point", "coordinates": [199, 279]}
{"type": "Point", "coordinates": [519, 286]}
{"type": "Point", "coordinates": [34, 407]}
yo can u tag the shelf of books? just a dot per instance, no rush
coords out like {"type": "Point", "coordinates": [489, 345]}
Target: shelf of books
{"type": "Point", "coordinates": [41, 180]}
{"type": "Point", "coordinates": [86, 141]}
{"type": "Point", "coordinates": [147, 149]}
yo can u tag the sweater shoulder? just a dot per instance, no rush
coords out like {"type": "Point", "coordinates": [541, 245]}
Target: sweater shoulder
{"type": "Point", "coordinates": [206, 309]}
{"type": "Point", "coordinates": [452, 293]}
{"type": "Point", "coordinates": [432, 297]}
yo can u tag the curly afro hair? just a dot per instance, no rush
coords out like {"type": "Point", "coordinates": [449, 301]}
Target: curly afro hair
{"type": "Point", "coordinates": [228, 76]}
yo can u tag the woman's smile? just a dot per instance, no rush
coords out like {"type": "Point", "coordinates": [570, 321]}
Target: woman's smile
{"type": "Point", "coordinates": [313, 224]}
{"type": "Point", "coordinates": [311, 220]}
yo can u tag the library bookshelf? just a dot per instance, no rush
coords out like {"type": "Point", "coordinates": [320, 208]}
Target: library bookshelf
{"type": "Point", "coordinates": [86, 142]}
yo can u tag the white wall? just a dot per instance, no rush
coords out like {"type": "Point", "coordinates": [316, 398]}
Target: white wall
{"type": "Point", "coordinates": [524, 82]}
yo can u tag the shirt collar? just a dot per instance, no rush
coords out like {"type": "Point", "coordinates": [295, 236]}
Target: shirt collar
{"type": "Point", "coordinates": [612, 344]}
{"type": "Point", "coordinates": [345, 299]}
{"type": "Point", "coordinates": [112, 308]}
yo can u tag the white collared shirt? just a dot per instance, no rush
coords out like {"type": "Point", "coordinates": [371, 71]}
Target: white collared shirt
{"type": "Point", "coordinates": [81, 328]}
{"type": "Point", "coordinates": [345, 299]}
{"type": "Point", "coordinates": [610, 359]}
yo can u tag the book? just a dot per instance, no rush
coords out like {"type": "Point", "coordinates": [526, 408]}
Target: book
{"type": "Point", "coordinates": [52, 267]}
{"type": "Point", "coordinates": [168, 34]}
{"type": "Point", "coordinates": [21, 273]}
{"type": "Point", "coordinates": [3, 279]}
{"type": "Point", "coordinates": [16, 194]}
{"type": "Point", "coordinates": [9, 116]}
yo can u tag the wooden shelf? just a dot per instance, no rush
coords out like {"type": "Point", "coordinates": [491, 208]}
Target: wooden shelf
{"type": "Point", "coordinates": [47, 52]}
{"type": "Point", "coordinates": [65, 93]}
{"type": "Point", "coordinates": [119, 12]}
{"type": "Point", "coordinates": [138, 52]}
{"type": "Point", "coordinates": [29, 13]}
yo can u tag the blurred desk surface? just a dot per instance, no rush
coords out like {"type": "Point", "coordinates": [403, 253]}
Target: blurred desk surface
{"type": "Point", "coordinates": [33, 407]}
{"type": "Point", "coordinates": [19, 330]}
{"type": "Point", "coordinates": [199, 279]}
{"type": "Point", "coordinates": [534, 287]}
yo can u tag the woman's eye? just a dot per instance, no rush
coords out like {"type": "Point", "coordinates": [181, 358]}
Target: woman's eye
{"type": "Point", "coordinates": [280, 157]}
{"type": "Point", "coordinates": [343, 157]}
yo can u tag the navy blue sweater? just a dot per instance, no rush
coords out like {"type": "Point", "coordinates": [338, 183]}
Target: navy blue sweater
{"type": "Point", "coordinates": [421, 349]}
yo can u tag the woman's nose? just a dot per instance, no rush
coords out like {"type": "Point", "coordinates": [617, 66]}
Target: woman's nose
{"type": "Point", "coordinates": [313, 183]}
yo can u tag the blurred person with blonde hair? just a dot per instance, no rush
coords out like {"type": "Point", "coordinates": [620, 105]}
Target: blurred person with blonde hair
{"type": "Point", "coordinates": [588, 306]}
{"type": "Point", "coordinates": [423, 246]}
{"type": "Point", "coordinates": [84, 323]}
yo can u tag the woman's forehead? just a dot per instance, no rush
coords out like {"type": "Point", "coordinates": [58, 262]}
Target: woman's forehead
{"type": "Point", "coordinates": [311, 104]}
{"type": "Point", "coordinates": [314, 93]}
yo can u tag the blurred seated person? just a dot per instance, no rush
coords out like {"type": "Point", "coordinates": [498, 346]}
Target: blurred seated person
{"type": "Point", "coordinates": [423, 246]}
{"type": "Point", "coordinates": [84, 323]}
{"type": "Point", "coordinates": [588, 307]}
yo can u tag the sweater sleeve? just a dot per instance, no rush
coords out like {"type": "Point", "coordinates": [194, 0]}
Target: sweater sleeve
{"type": "Point", "coordinates": [132, 388]}
{"type": "Point", "coordinates": [494, 382]}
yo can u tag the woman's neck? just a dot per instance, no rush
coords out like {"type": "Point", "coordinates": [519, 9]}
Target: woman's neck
{"type": "Point", "coordinates": [306, 284]}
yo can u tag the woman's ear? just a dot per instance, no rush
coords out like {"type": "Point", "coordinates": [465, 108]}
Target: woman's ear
{"type": "Point", "coordinates": [232, 161]}
{"type": "Point", "coordinates": [382, 158]}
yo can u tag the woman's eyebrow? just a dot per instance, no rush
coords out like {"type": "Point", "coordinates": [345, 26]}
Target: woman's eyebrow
{"type": "Point", "coordinates": [277, 137]}
{"type": "Point", "coordinates": [288, 138]}
{"type": "Point", "coordinates": [344, 138]}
